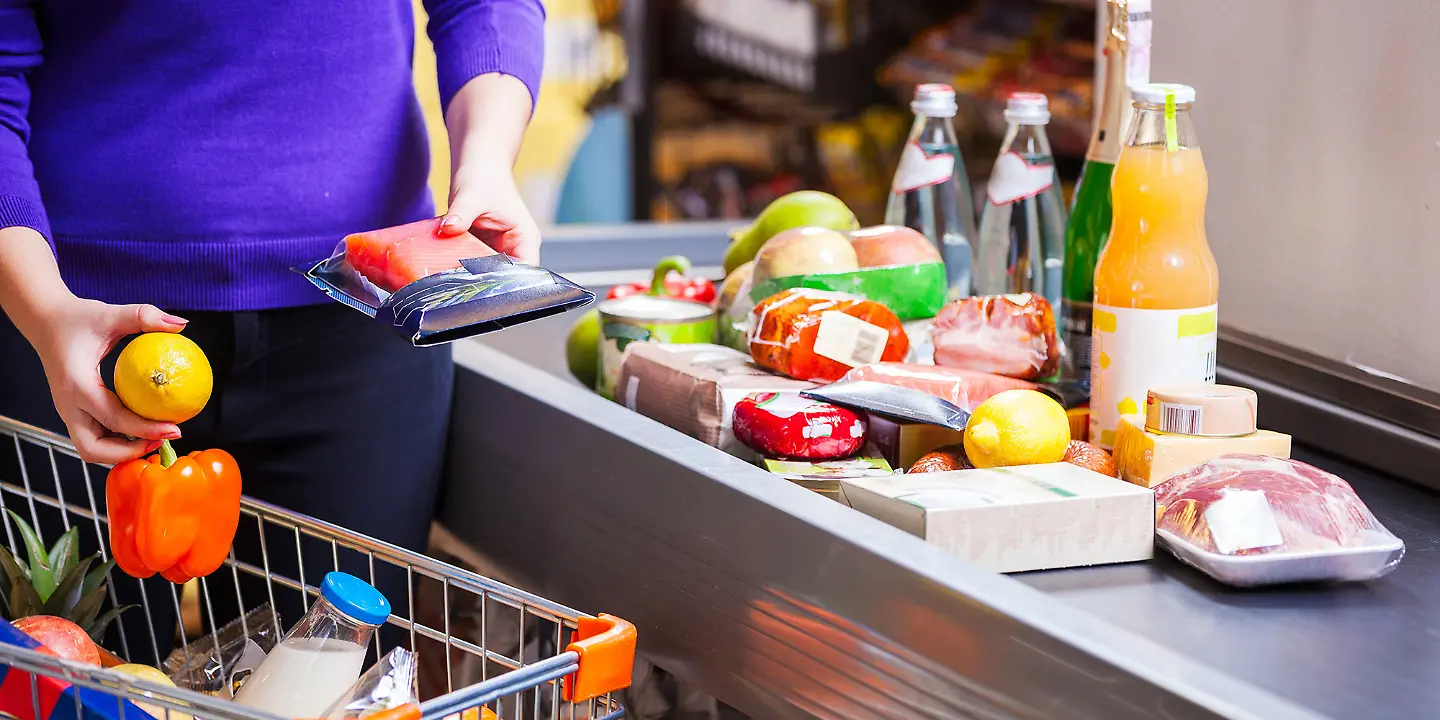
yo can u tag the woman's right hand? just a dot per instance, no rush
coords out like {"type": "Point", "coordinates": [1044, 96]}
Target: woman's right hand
{"type": "Point", "coordinates": [77, 334]}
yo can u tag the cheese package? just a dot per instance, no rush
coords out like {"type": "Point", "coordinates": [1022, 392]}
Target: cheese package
{"type": "Point", "coordinates": [1148, 459]}
{"type": "Point", "coordinates": [694, 389]}
{"type": "Point", "coordinates": [1015, 519]}
{"type": "Point", "coordinates": [902, 443]}
{"type": "Point", "coordinates": [824, 478]}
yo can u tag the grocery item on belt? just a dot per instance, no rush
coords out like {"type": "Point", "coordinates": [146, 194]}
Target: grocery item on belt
{"type": "Point", "coordinates": [639, 319]}
{"type": "Point", "coordinates": [902, 444]}
{"type": "Point", "coordinates": [1017, 427]}
{"type": "Point", "coordinates": [694, 389]}
{"type": "Point", "coordinates": [922, 344]}
{"type": "Point", "coordinates": [670, 274]}
{"type": "Point", "coordinates": [1090, 457]}
{"type": "Point", "coordinates": [898, 403]}
{"type": "Point", "coordinates": [894, 266]}
{"type": "Point", "coordinates": [732, 309]}
{"type": "Point", "coordinates": [1251, 520]}
{"type": "Point", "coordinates": [1015, 519]}
{"type": "Point", "coordinates": [432, 289]}
{"type": "Point", "coordinates": [1205, 410]}
{"type": "Point", "coordinates": [944, 459]}
{"type": "Point", "coordinates": [1012, 335]}
{"type": "Point", "coordinates": [819, 335]}
{"type": "Point", "coordinates": [790, 428]}
{"type": "Point", "coordinates": [963, 388]}
{"type": "Point", "coordinates": [1148, 459]}
{"type": "Point", "coordinates": [824, 477]}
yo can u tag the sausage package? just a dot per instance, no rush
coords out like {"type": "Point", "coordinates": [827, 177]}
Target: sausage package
{"type": "Point", "coordinates": [433, 290]}
{"type": "Point", "coordinates": [963, 388]}
{"type": "Point", "coordinates": [818, 335]}
{"type": "Point", "coordinates": [1011, 335]}
{"type": "Point", "coordinates": [785, 428]}
{"type": "Point", "coordinates": [1249, 520]}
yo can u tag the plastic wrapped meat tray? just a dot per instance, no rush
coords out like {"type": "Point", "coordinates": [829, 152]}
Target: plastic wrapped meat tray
{"type": "Point", "coordinates": [1250, 520]}
{"type": "Point", "coordinates": [1011, 335]}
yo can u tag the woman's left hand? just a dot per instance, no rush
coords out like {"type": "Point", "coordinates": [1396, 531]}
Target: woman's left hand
{"type": "Point", "coordinates": [486, 121]}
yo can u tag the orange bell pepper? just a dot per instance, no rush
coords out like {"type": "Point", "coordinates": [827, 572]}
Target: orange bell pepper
{"type": "Point", "coordinates": [173, 516]}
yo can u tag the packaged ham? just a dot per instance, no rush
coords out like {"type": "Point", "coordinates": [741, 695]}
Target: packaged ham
{"type": "Point", "coordinates": [964, 388]}
{"type": "Point", "coordinates": [1011, 335]}
{"type": "Point", "coordinates": [818, 335]}
{"type": "Point", "coordinates": [1250, 520]}
{"type": "Point", "coordinates": [786, 427]}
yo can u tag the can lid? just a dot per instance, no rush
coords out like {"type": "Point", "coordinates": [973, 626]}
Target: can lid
{"type": "Point", "coordinates": [1027, 108]}
{"type": "Point", "coordinates": [355, 597]}
{"type": "Point", "coordinates": [654, 308]}
{"type": "Point", "coordinates": [1204, 410]}
{"type": "Point", "coordinates": [934, 100]}
{"type": "Point", "coordinates": [1154, 93]}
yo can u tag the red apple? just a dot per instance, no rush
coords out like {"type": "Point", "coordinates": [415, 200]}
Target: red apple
{"type": "Point", "coordinates": [884, 245]}
{"type": "Point", "coordinates": [61, 637]}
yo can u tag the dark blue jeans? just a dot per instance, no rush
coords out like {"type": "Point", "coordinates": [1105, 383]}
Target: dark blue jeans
{"type": "Point", "coordinates": [328, 414]}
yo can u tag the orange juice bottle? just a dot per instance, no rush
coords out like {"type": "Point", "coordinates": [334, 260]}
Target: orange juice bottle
{"type": "Point", "coordinates": [1156, 284]}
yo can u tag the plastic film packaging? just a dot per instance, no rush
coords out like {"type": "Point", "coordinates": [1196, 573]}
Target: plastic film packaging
{"type": "Point", "coordinates": [912, 292]}
{"type": "Point", "coordinates": [818, 335]}
{"type": "Point", "coordinates": [388, 684]}
{"type": "Point", "coordinates": [243, 644]}
{"type": "Point", "coordinates": [1011, 335]}
{"type": "Point", "coordinates": [898, 403]}
{"type": "Point", "coordinates": [962, 388]}
{"type": "Point", "coordinates": [387, 275]}
{"type": "Point", "coordinates": [1249, 520]}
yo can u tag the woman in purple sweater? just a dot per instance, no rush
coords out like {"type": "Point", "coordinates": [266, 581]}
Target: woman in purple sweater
{"type": "Point", "coordinates": [164, 165]}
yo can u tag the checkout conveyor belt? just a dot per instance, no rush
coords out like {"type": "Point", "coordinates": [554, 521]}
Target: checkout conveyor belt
{"type": "Point", "coordinates": [788, 605]}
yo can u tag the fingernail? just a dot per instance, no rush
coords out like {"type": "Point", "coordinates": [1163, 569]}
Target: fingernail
{"type": "Point", "coordinates": [173, 319]}
{"type": "Point", "coordinates": [171, 435]}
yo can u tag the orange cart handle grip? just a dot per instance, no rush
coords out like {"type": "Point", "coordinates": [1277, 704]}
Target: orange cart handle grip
{"type": "Point", "coordinates": [606, 646]}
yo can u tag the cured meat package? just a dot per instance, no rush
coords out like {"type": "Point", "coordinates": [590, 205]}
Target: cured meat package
{"type": "Point", "coordinates": [1249, 520]}
{"type": "Point", "coordinates": [796, 428]}
{"type": "Point", "coordinates": [1011, 335]}
{"type": "Point", "coordinates": [964, 388]}
{"type": "Point", "coordinates": [818, 335]}
{"type": "Point", "coordinates": [433, 289]}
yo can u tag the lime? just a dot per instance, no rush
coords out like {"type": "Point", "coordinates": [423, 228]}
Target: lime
{"type": "Point", "coordinates": [582, 348]}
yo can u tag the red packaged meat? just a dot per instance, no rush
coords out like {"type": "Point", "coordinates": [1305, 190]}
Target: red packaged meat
{"type": "Point", "coordinates": [785, 427]}
{"type": "Point", "coordinates": [395, 257]}
{"type": "Point", "coordinates": [1012, 335]}
{"type": "Point", "coordinates": [964, 388]}
{"type": "Point", "coordinates": [1253, 520]}
{"type": "Point", "coordinates": [818, 335]}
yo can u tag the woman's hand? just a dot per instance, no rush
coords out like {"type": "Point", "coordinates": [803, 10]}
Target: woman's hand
{"type": "Point", "coordinates": [77, 335]}
{"type": "Point", "coordinates": [486, 121]}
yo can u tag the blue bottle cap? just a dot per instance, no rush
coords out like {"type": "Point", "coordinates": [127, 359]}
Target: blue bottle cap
{"type": "Point", "coordinates": [355, 597]}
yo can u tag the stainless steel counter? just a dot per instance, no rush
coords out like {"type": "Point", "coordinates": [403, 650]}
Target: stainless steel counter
{"type": "Point", "coordinates": [785, 604]}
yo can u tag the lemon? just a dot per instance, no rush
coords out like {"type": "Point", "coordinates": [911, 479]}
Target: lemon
{"type": "Point", "coordinates": [163, 377]}
{"type": "Point", "coordinates": [1017, 427]}
{"type": "Point", "coordinates": [154, 676]}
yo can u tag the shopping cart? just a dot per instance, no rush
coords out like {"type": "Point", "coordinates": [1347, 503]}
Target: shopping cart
{"type": "Point", "coordinates": [590, 657]}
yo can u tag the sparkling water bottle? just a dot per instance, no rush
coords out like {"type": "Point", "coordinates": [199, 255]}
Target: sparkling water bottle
{"type": "Point", "coordinates": [931, 192]}
{"type": "Point", "coordinates": [1022, 230]}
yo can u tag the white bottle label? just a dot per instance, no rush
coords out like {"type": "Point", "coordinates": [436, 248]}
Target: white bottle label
{"type": "Point", "coordinates": [1133, 350]}
{"type": "Point", "coordinates": [918, 169]}
{"type": "Point", "coordinates": [1014, 179]}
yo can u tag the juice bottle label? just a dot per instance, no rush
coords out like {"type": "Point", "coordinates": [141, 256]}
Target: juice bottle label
{"type": "Point", "coordinates": [1135, 350]}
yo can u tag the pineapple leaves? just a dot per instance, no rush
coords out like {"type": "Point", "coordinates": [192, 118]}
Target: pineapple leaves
{"type": "Point", "coordinates": [67, 594]}
{"type": "Point", "coordinates": [65, 553]}
{"type": "Point", "coordinates": [17, 582]}
{"type": "Point", "coordinates": [96, 578]}
{"type": "Point", "coordinates": [96, 629]}
{"type": "Point", "coordinates": [42, 575]}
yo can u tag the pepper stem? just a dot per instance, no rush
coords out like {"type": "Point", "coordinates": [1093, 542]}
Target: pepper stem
{"type": "Point", "coordinates": [167, 454]}
{"type": "Point", "coordinates": [677, 263]}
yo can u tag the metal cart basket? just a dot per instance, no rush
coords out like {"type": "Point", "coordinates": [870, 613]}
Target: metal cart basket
{"type": "Point", "coordinates": [583, 659]}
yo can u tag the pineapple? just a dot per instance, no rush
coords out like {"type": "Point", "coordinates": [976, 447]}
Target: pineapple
{"type": "Point", "coordinates": [56, 582]}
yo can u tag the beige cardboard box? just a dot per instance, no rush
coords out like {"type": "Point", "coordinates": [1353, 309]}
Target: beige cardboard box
{"type": "Point", "coordinates": [694, 388]}
{"type": "Point", "coordinates": [1031, 517]}
{"type": "Point", "coordinates": [902, 443]}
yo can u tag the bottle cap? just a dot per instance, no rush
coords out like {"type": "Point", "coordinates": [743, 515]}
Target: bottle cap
{"type": "Point", "coordinates": [1027, 108]}
{"type": "Point", "coordinates": [355, 597]}
{"type": "Point", "coordinates": [1201, 410]}
{"type": "Point", "coordinates": [934, 100]}
{"type": "Point", "coordinates": [1154, 93]}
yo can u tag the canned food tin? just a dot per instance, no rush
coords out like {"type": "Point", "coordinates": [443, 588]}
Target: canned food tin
{"type": "Point", "coordinates": [647, 318]}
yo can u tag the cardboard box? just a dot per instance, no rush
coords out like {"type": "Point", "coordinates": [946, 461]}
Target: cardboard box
{"type": "Point", "coordinates": [694, 388]}
{"type": "Point", "coordinates": [824, 478]}
{"type": "Point", "coordinates": [902, 443]}
{"type": "Point", "coordinates": [1031, 517]}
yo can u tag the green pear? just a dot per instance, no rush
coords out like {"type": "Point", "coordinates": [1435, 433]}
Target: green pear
{"type": "Point", "coordinates": [582, 348]}
{"type": "Point", "coordinates": [810, 208]}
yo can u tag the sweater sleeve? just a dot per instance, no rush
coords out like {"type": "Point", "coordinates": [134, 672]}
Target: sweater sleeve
{"type": "Point", "coordinates": [476, 37]}
{"type": "Point", "coordinates": [19, 54]}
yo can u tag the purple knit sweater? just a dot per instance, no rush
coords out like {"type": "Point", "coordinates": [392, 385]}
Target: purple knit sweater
{"type": "Point", "coordinates": [188, 153]}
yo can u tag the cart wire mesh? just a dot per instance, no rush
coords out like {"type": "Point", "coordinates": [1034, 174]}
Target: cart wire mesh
{"type": "Point", "coordinates": [510, 660]}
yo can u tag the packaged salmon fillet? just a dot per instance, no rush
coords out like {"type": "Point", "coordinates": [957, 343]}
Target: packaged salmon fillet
{"type": "Point", "coordinates": [819, 335]}
{"type": "Point", "coordinates": [964, 388]}
{"type": "Point", "coordinates": [433, 289]}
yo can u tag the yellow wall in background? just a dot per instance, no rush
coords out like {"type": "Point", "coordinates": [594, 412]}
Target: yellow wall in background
{"type": "Point", "coordinates": [427, 89]}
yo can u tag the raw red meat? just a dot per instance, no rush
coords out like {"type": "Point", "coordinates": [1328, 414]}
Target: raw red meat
{"type": "Point", "coordinates": [397, 256]}
{"type": "Point", "coordinates": [1011, 335]}
{"type": "Point", "coordinates": [965, 388]}
{"type": "Point", "coordinates": [1313, 509]}
{"type": "Point", "coordinates": [786, 427]}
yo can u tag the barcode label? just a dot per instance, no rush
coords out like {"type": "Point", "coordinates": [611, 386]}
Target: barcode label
{"type": "Point", "coordinates": [1210, 367]}
{"type": "Point", "coordinates": [849, 340]}
{"type": "Point", "coordinates": [1181, 419]}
